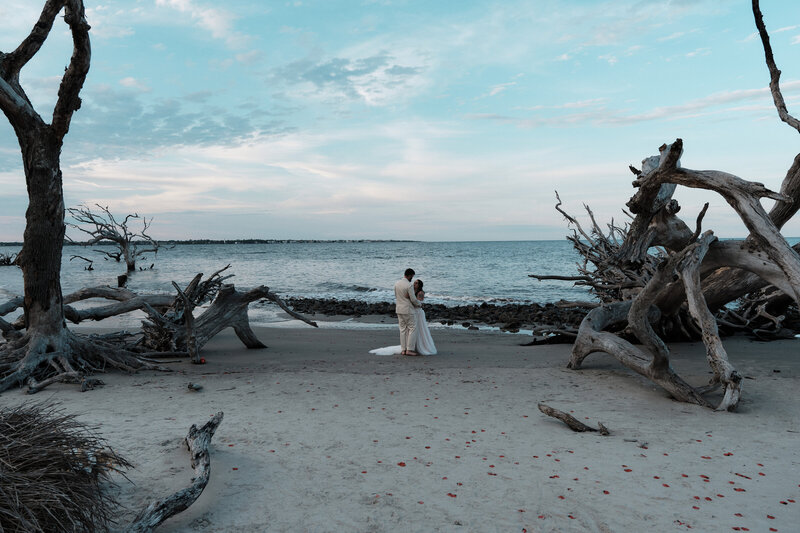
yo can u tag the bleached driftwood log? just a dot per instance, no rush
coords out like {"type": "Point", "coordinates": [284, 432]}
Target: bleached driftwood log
{"type": "Point", "coordinates": [198, 442]}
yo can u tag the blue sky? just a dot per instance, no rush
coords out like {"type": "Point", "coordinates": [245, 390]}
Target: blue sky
{"type": "Point", "coordinates": [445, 120]}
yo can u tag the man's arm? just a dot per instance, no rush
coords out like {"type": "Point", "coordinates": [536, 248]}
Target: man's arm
{"type": "Point", "coordinates": [412, 297]}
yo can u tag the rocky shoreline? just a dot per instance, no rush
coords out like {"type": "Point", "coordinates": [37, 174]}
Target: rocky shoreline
{"type": "Point", "coordinates": [560, 316]}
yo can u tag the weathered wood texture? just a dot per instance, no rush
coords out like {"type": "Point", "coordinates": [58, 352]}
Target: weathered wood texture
{"type": "Point", "coordinates": [197, 441]}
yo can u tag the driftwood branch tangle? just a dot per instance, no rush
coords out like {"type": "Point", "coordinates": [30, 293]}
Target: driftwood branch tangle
{"type": "Point", "coordinates": [197, 441]}
{"type": "Point", "coordinates": [678, 276]}
{"type": "Point", "coordinates": [101, 226]}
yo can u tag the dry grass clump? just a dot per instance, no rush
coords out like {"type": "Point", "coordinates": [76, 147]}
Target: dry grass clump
{"type": "Point", "coordinates": [51, 470]}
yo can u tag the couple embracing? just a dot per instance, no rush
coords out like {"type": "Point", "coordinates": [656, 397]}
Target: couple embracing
{"type": "Point", "coordinates": [415, 337]}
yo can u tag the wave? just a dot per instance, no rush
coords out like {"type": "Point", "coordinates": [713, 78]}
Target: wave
{"type": "Point", "coordinates": [341, 287]}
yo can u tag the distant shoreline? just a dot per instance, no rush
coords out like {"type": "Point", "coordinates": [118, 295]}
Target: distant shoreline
{"type": "Point", "coordinates": [168, 242]}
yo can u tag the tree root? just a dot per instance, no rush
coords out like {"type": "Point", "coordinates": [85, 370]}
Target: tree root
{"type": "Point", "coordinates": [41, 359]}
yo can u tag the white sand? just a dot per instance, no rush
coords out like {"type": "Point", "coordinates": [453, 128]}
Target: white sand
{"type": "Point", "coordinates": [319, 435]}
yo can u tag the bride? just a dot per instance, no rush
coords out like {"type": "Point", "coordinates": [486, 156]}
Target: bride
{"type": "Point", "coordinates": [425, 345]}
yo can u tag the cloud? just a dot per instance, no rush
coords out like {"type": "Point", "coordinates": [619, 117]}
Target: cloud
{"type": "Point", "coordinates": [594, 111]}
{"type": "Point", "coordinates": [593, 102]}
{"type": "Point", "coordinates": [215, 20]}
{"type": "Point", "coordinates": [132, 83]}
{"type": "Point", "coordinates": [109, 23]}
{"type": "Point", "coordinates": [699, 52]}
{"type": "Point", "coordinates": [375, 80]}
{"type": "Point", "coordinates": [612, 59]}
{"type": "Point", "coordinates": [251, 57]}
{"type": "Point", "coordinates": [497, 89]}
{"type": "Point", "coordinates": [123, 122]}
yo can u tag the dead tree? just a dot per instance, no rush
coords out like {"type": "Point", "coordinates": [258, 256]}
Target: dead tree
{"type": "Point", "coordinates": [47, 348]}
{"type": "Point", "coordinates": [694, 273]}
{"type": "Point", "coordinates": [9, 259]}
{"type": "Point", "coordinates": [102, 227]}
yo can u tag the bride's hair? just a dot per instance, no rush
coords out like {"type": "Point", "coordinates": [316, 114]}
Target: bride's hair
{"type": "Point", "coordinates": [419, 287]}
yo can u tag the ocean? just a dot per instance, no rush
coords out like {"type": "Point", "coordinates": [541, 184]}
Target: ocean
{"type": "Point", "coordinates": [455, 273]}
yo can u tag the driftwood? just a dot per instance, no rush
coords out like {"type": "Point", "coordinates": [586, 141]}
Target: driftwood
{"type": "Point", "coordinates": [90, 266]}
{"type": "Point", "coordinates": [171, 330]}
{"type": "Point", "coordinates": [197, 441]}
{"type": "Point", "coordinates": [648, 297]}
{"type": "Point", "coordinates": [102, 227]}
{"type": "Point", "coordinates": [675, 283]}
{"type": "Point", "coordinates": [9, 259]}
{"type": "Point", "coordinates": [572, 423]}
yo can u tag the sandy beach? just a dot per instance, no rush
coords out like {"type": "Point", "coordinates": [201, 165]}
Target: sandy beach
{"type": "Point", "coordinates": [320, 436]}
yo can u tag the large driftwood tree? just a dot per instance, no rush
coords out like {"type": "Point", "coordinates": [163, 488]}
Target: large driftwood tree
{"type": "Point", "coordinates": [695, 273]}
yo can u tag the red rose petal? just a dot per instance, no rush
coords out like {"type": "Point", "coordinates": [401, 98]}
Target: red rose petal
{"type": "Point", "coordinates": [401, 463]}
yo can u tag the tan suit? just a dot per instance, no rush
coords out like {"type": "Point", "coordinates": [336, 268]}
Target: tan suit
{"type": "Point", "coordinates": [404, 307]}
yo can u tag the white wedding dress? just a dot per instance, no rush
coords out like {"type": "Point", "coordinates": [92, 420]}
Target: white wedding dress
{"type": "Point", "coordinates": [425, 345]}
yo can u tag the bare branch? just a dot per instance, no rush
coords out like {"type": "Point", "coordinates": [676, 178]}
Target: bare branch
{"type": "Point", "coordinates": [699, 223]}
{"type": "Point", "coordinates": [68, 100]}
{"type": "Point", "coordinates": [774, 73]}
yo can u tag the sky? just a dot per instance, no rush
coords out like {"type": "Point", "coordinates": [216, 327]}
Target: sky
{"type": "Point", "coordinates": [404, 119]}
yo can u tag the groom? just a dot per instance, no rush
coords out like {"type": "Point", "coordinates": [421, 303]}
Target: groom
{"type": "Point", "coordinates": [406, 301]}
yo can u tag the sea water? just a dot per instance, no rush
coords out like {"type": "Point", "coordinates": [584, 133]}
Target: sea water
{"type": "Point", "coordinates": [455, 273]}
